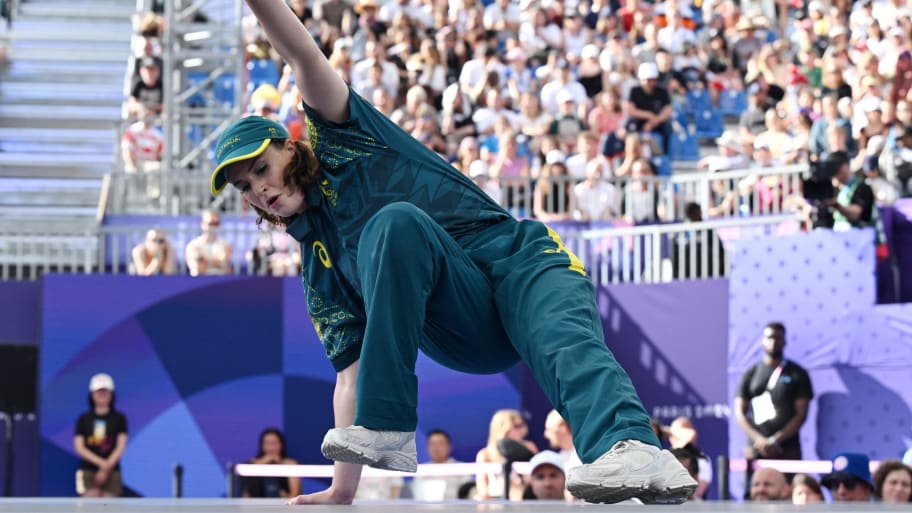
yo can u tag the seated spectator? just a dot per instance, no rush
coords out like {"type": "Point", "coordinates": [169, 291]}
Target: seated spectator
{"type": "Point", "coordinates": [559, 436]}
{"type": "Point", "coordinates": [480, 174]}
{"type": "Point", "coordinates": [594, 197]}
{"type": "Point", "coordinates": [154, 256]}
{"type": "Point", "coordinates": [850, 480]}
{"type": "Point", "coordinates": [682, 434]}
{"type": "Point", "coordinates": [271, 452]}
{"type": "Point", "coordinates": [893, 482]}
{"type": "Point", "coordinates": [547, 480]}
{"type": "Point", "coordinates": [142, 144]}
{"type": "Point", "coordinates": [731, 154]}
{"type": "Point", "coordinates": [636, 147]}
{"type": "Point", "coordinates": [649, 106]}
{"type": "Point", "coordinates": [209, 254]}
{"type": "Point", "coordinates": [439, 448]}
{"type": "Point", "coordinates": [768, 484]}
{"type": "Point", "coordinates": [275, 254]}
{"type": "Point", "coordinates": [379, 487]}
{"type": "Point", "coordinates": [265, 101]}
{"type": "Point", "coordinates": [689, 457]}
{"type": "Point", "coordinates": [567, 125]}
{"type": "Point", "coordinates": [805, 490]}
{"type": "Point", "coordinates": [587, 150]}
{"type": "Point", "coordinates": [553, 198]}
{"type": "Point", "coordinates": [147, 90]}
{"type": "Point", "coordinates": [504, 424]}
{"type": "Point", "coordinates": [641, 200]}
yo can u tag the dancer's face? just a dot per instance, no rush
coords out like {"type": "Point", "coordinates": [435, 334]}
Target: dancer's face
{"type": "Point", "coordinates": [261, 180]}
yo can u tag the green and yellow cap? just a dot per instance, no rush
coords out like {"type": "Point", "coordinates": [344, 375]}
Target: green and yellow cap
{"type": "Point", "coordinates": [245, 139]}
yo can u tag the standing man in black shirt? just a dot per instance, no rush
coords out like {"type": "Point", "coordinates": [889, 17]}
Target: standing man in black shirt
{"type": "Point", "coordinates": [776, 392]}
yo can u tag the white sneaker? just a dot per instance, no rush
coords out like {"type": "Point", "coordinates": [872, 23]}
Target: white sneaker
{"type": "Point", "coordinates": [388, 450]}
{"type": "Point", "coordinates": [632, 469]}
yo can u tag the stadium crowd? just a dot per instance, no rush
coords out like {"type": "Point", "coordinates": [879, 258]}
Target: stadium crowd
{"type": "Point", "coordinates": [568, 110]}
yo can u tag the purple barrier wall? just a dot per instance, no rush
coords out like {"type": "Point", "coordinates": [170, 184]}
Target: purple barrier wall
{"type": "Point", "coordinates": [821, 286]}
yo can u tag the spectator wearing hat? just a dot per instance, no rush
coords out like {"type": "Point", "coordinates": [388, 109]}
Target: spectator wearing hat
{"type": "Point", "coordinates": [731, 154]}
{"type": "Point", "coordinates": [567, 124]}
{"type": "Point", "coordinates": [850, 480]}
{"type": "Point", "coordinates": [745, 46]}
{"type": "Point", "coordinates": [100, 441]}
{"type": "Point", "coordinates": [893, 482]}
{"type": "Point", "coordinates": [479, 172]}
{"type": "Point", "coordinates": [576, 34]}
{"type": "Point", "coordinates": [589, 73]}
{"type": "Point", "coordinates": [147, 90]}
{"type": "Point", "coordinates": [649, 105]}
{"type": "Point", "coordinates": [547, 480]}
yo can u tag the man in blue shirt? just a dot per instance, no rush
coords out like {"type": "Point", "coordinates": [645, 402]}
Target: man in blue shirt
{"type": "Point", "coordinates": [401, 252]}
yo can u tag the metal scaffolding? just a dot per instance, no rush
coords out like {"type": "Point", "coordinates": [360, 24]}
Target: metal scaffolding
{"type": "Point", "coordinates": [203, 78]}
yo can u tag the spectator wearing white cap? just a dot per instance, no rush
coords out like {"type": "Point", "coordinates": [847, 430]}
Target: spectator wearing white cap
{"type": "Point", "coordinates": [649, 105]}
{"type": "Point", "coordinates": [547, 480]}
{"type": "Point", "coordinates": [731, 154]}
{"type": "Point", "coordinates": [567, 125]}
{"type": "Point", "coordinates": [589, 73]}
{"type": "Point", "coordinates": [478, 172]}
{"type": "Point", "coordinates": [100, 440]}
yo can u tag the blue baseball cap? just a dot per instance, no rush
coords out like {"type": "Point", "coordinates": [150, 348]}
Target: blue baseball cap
{"type": "Point", "coordinates": [245, 139]}
{"type": "Point", "coordinates": [848, 465]}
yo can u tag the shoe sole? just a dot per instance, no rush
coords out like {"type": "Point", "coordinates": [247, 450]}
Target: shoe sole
{"type": "Point", "coordinates": [347, 454]}
{"type": "Point", "coordinates": [604, 495]}
{"type": "Point", "coordinates": [398, 460]}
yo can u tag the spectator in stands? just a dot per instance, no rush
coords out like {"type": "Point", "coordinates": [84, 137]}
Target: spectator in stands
{"type": "Point", "coordinates": [768, 484]}
{"type": "Point", "coordinates": [830, 117]}
{"type": "Point", "coordinates": [154, 256]}
{"type": "Point", "coordinates": [806, 490]}
{"type": "Point", "coordinates": [100, 441]}
{"type": "Point", "coordinates": [594, 197]}
{"type": "Point", "coordinates": [689, 457]}
{"type": "Point", "coordinates": [641, 200]}
{"type": "Point", "coordinates": [587, 151]}
{"type": "Point", "coordinates": [547, 478]}
{"type": "Point", "coordinates": [553, 197]}
{"type": "Point", "coordinates": [893, 482]}
{"type": "Point", "coordinates": [853, 207]}
{"type": "Point", "coordinates": [439, 448]}
{"type": "Point", "coordinates": [559, 437]}
{"type": "Point", "coordinates": [275, 254]}
{"type": "Point", "coordinates": [209, 254]}
{"type": "Point", "coordinates": [479, 172]}
{"type": "Point", "coordinates": [850, 480]}
{"type": "Point", "coordinates": [636, 147]}
{"type": "Point", "coordinates": [776, 393]}
{"type": "Point", "coordinates": [147, 91]}
{"type": "Point", "coordinates": [753, 120]}
{"type": "Point", "coordinates": [649, 106]}
{"type": "Point", "coordinates": [731, 154]}
{"type": "Point", "coordinates": [272, 451]}
{"type": "Point", "coordinates": [504, 424]}
{"type": "Point", "coordinates": [682, 434]}
{"type": "Point", "coordinates": [142, 144]}
{"type": "Point", "coordinates": [561, 89]}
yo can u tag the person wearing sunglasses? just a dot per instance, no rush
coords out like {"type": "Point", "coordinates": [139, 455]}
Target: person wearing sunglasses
{"type": "Point", "coordinates": [850, 480]}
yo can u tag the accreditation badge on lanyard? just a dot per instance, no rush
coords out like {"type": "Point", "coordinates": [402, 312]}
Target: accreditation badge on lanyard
{"type": "Point", "coordinates": [762, 405]}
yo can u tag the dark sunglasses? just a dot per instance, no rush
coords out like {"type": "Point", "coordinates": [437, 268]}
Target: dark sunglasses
{"type": "Point", "coordinates": [848, 482]}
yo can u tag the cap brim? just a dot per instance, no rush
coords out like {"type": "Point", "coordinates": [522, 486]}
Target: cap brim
{"type": "Point", "coordinates": [218, 181]}
{"type": "Point", "coordinates": [831, 479]}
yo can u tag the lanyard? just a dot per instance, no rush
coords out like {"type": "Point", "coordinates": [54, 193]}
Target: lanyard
{"type": "Point", "coordinates": [774, 377]}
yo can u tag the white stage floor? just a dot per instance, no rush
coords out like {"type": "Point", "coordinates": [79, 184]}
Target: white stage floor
{"type": "Point", "coordinates": [274, 506]}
